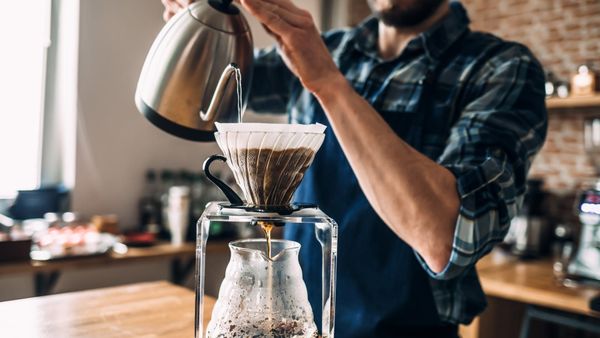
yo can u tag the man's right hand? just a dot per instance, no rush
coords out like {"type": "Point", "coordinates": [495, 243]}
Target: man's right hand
{"type": "Point", "coordinates": [174, 6]}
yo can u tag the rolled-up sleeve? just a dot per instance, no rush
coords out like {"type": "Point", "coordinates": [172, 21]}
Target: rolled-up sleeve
{"type": "Point", "coordinates": [490, 150]}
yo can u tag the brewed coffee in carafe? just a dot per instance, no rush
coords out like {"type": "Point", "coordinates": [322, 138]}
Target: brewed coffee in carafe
{"type": "Point", "coordinates": [262, 296]}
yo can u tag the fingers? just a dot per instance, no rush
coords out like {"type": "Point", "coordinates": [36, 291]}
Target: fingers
{"type": "Point", "coordinates": [171, 5]}
{"type": "Point", "coordinates": [275, 36]}
{"type": "Point", "coordinates": [281, 17]}
{"type": "Point", "coordinates": [167, 14]}
{"type": "Point", "coordinates": [174, 6]}
{"type": "Point", "coordinates": [264, 12]}
{"type": "Point", "coordinates": [184, 3]}
{"type": "Point", "coordinates": [293, 15]}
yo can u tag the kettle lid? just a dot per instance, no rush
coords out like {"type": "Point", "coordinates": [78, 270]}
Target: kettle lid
{"type": "Point", "coordinates": [221, 15]}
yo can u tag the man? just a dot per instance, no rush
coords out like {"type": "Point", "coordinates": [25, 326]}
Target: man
{"type": "Point", "coordinates": [432, 129]}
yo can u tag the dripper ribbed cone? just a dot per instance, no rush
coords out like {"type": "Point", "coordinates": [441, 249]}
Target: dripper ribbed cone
{"type": "Point", "coordinates": [269, 160]}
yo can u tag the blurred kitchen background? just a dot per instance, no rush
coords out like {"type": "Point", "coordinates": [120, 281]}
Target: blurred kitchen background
{"type": "Point", "coordinates": [97, 173]}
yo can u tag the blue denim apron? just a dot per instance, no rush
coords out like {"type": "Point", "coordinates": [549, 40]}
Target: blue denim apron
{"type": "Point", "coordinates": [382, 290]}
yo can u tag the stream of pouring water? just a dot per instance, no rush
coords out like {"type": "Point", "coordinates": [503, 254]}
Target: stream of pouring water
{"type": "Point", "coordinates": [238, 85]}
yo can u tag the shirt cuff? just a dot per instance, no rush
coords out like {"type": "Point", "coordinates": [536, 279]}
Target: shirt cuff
{"type": "Point", "coordinates": [465, 247]}
{"type": "Point", "coordinates": [456, 264]}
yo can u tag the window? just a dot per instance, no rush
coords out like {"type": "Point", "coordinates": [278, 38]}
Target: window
{"type": "Point", "coordinates": [25, 39]}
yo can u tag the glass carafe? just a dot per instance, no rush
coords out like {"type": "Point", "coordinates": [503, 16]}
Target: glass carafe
{"type": "Point", "coordinates": [262, 297]}
{"type": "Point", "coordinates": [269, 291]}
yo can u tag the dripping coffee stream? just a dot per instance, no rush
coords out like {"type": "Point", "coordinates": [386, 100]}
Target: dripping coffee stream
{"type": "Point", "coordinates": [267, 228]}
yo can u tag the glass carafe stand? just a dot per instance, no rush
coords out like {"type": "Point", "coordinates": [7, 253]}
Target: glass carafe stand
{"type": "Point", "coordinates": [299, 215]}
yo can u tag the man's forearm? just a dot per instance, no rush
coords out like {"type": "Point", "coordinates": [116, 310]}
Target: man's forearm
{"type": "Point", "coordinates": [414, 196]}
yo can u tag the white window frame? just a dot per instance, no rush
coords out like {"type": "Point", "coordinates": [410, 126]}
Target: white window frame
{"type": "Point", "coordinates": [60, 123]}
{"type": "Point", "coordinates": [44, 44]}
{"type": "Point", "coordinates": [58, 120]}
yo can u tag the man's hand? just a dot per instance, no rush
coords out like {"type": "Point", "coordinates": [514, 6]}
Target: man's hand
{"type": "Point", "coordinates": [174, 6]}
{"type": "Point", "coordinates": [301, 45]}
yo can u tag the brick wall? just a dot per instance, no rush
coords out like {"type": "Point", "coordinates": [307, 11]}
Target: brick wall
{"type": "Point", "coordinates": [562, 34]}
{"type": "Point", "coordinates": [563, 163]}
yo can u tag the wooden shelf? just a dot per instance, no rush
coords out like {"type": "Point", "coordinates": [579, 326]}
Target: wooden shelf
{"type": "Point", "coordinates": [574, 102]}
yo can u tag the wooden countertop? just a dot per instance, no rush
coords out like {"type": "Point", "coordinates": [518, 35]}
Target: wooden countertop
{"type": "Point", "coordinates": [157, 309]}
{"type": "Point", "coordinates": [532, 282]}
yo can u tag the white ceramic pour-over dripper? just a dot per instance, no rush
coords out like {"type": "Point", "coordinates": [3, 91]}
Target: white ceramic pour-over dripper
{"type": "Point", "coordinates": [269, 160]}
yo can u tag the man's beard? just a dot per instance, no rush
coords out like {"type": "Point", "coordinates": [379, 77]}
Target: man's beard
{"type": "Point", "coordinates": [405, 13]}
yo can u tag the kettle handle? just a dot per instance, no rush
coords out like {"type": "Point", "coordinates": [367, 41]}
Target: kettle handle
{"type": "Point", "coordinates": [215, 102]}
{"type": "Point", "coordinates": [233, 198]}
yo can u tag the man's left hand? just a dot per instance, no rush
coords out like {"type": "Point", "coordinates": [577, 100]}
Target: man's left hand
{"type": "Point", "coordinates": [299, 40]}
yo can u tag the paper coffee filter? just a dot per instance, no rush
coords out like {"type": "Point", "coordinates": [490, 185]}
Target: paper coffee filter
{"type": "Point", "coordinates": [269, 160]}
{"type": "Point", "coordinates": [271, 127]}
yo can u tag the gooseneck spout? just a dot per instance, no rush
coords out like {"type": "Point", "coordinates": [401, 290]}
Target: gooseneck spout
{"type": "Point", "coordinates": [210, 113]}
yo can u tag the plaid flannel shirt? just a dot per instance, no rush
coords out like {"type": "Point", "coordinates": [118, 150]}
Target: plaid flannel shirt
{"type": "Point", "coordinates": [487, 121]}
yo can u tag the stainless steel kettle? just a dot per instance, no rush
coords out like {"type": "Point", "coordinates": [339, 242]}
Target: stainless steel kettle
{"type": "Point", "coordinates": [187, 80]}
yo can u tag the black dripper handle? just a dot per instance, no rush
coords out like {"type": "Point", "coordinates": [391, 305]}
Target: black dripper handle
{"type": "Point", "coordinates": [233, 198]}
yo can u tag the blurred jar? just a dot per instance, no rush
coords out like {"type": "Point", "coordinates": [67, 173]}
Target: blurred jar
{"type": "Point", "coordinates": [178, 213]}
{"type": "Point", "coordinates": [529, 233]}
{"type": "Point", "coordinates": [562, 250]}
